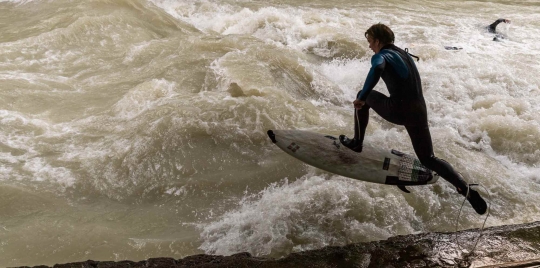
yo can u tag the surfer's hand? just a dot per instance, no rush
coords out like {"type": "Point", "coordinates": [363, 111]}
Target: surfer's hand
{"type": "Point", "coordinates": [506, 21]}
{"type": "Point", "coordinates": [358, 104]}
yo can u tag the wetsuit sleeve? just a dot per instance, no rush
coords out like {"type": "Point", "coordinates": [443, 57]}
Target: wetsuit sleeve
{"type": "Point", "coordinates": [377, 67]}
{"type": "Point", "coordinates": [493, 26]}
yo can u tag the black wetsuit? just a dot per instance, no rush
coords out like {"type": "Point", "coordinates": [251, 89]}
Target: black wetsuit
{"type": "Point", "coordinates": [492, 29]}
{"type": "Point", "coordinates": [405, 106]}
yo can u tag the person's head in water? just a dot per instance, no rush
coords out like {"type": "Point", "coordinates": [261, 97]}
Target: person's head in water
{"type": "Point", "coordinates": [379, 35]}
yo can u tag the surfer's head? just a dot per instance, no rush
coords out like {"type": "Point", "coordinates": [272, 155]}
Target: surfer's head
{"type": "Point", "coordinates": [379, 35]}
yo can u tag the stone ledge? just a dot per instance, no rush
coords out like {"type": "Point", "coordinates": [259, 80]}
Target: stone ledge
{"type": "Point", "coordinates": [501, 246]}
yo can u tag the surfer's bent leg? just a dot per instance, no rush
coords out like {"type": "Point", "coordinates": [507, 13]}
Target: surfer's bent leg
{"type": "Point", "coordinates": [421, 140]}
{"type": "Point", "coordinates": [388, 108]}
{"type": "Point", "coordinates": [423, 147]}
{"type": "Point", "coordinates": [383, 105]}
{"type": "Point", "coordinates": [361, 120]}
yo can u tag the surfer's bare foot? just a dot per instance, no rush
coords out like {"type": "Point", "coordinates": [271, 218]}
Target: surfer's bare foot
{"type": "Point", "coordinates": [476, 201]}
{"type": "Point", "coordinates": [352, 144]}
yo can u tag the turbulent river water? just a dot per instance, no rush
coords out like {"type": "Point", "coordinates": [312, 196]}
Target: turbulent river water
{"type": "Point", "coordinates": [132, 129]}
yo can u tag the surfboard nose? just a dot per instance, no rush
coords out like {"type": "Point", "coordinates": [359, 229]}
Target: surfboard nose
{"type": "Point", "coordinates": [271, 135]}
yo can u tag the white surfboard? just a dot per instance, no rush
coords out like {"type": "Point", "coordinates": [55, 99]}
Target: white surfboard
{"type": "Point", "coordinates": [372, 164]}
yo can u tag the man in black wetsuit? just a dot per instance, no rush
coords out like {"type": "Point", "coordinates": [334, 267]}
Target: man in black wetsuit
{"type": "Point", "coordinates": [405, 106]}
{"type": "Point", "coordinates": [492, 29]}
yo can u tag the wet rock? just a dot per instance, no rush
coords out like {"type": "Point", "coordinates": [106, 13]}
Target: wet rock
{"type": "Point", "coordinates": [502, 246]}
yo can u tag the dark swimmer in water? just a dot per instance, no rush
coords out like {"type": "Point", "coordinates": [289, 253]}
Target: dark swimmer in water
{"type": "Point", "coordinates": [492, 28]}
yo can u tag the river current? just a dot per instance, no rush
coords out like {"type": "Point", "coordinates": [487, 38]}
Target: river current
{"type": "Point", "coordinates": [137, 129]}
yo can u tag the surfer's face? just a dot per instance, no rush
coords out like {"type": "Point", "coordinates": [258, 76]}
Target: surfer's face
{"type": "Point", "coordinates": [374, 44]}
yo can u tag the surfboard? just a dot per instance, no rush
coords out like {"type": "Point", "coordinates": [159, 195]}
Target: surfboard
{"type": "Point", "coordinates": [452, 48]}
{"type": "Point", "coordinates": [373, 164]}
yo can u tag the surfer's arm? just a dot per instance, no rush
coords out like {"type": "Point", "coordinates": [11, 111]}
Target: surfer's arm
{"type": "Point", "coordinates": [493, 26]}
{"type": "Point", "coordinates": [377, 67]}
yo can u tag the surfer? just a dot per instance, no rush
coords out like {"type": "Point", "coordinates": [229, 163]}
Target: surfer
{"type": "Point", "coordinates": [405, 106]}
{"type": "Point", "coordinates": [492, 28]}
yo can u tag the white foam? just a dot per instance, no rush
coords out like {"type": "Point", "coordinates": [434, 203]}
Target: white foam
{"type": "Point", "coordinates": [19, 2]}
{"type": "Point", "coordinates": [22, 134]}
{"type": "Point", "coordinates": [295, 67]}
{"type": "Point", "coordinates": [297, 28]}
{"type": "Point", "coordinates": [144, 97]}
{"type": "Point", "coordinates": [482, 102]}
{"type": "Point", "coordinates": [309, 213]}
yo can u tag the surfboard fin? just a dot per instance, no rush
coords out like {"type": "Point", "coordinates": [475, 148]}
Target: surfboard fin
{"type": "Point", "coordinates": [402, 187]}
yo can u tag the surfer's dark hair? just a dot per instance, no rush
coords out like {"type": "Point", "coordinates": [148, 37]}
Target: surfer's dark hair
{"type": "Point", "coordinates": [380, 32]}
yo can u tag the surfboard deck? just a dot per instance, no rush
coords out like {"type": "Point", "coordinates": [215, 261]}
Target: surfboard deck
{"type": "Point", "coordinates": [373, 164]}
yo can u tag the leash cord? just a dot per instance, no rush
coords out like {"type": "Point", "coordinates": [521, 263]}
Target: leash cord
{"type": "Point", "coordinates": [459, 214]}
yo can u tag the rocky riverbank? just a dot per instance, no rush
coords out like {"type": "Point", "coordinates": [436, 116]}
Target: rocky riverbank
{"type": "Point", "coordinates": [502, 246]}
